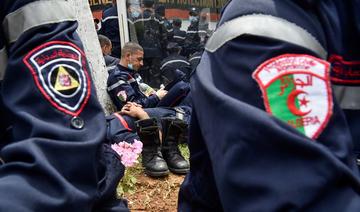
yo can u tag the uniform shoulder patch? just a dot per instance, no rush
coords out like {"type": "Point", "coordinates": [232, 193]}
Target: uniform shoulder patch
{"type": "Point", "coordinates": [296, 89]}
{"type": "Point", "coordinates": [59, 71]}
{"type": "Point", "coordinates": [122, 96]}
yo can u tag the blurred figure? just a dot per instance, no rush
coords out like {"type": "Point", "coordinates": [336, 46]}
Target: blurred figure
{"type": "Point", "coordinates": [174, 62]}
{"type": "Point", "coordinates": [152, 36]}
{"type": "Point", "coordinates": [110, 28]}
{"type": "Point", "coordinates": [195, 59]}
{"type": "Point", "coordinates": [192, 40]}
{"type": "Point", "coordinates": [203, 28]}
{"type": "Point", "coordinates": [106, 47]}
{"type": "Point", "coordinates": [179, 35]}
{"type": "Point", "coordinates": [160, 11]}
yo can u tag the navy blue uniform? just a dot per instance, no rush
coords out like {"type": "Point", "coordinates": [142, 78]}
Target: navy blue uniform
{"type": "Point", "coordinates": [122, 86]}
{"type": "Point", "coordinates": [242, 157]}
{"type": "Point", "coordinates": [110, 28]}
{"type": "Point", "coordinates": [192, 40]}
{"type": "Point", "coordinates": [52, 121]}
{"type": "Point", "coordinates": [195, 59]}
{"type": "Point", "coordinates": [173, 62]}
{"type": "Point", "coordinates": [152, 36]}
{"type": "Point", "coordinates": [179, 36]}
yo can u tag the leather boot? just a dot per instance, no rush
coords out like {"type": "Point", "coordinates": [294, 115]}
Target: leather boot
{"type": "Point", "coordinates": [152, 159]}
{"type": "Point", "coordinates": [172, 128]}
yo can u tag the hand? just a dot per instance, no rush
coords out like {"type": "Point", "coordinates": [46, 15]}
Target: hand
{"type": "Point", "coordinates": [131, 109]}
{"type": "Point", "coordinates": [161, 93]}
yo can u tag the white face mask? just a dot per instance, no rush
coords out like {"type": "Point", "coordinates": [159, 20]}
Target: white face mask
{"type": "Point", "coordinates": [135, 14]}
{"type": "Point", "coordinates": [192, 18]}
{"type": "Point", "coordinates": [130, 66]}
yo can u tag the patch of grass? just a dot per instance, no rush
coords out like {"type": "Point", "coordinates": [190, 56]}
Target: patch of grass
{"type": "Point", "coordinates": [128, 182]}
{"type": "Point", "coordinates": [184, 151]}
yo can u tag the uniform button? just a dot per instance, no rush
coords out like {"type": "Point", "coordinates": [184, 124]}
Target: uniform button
{"type": "Point", "coordinates": [77, 122]}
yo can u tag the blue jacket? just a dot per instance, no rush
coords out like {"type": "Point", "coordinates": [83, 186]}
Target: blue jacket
{"type": "Point", "coordinates": [122, 86]}
{"type": "Point", "coordinates": [244, 155]}
{"type": "Point", "coordinates": [53, 124]}
{"type": "Point", "coordinates": [110, 28]}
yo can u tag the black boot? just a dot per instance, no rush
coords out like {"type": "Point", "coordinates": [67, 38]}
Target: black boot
{"type": "Point", "coordinates": [152, 159]}
{"type": "Point", "coordinates": [172, 129]}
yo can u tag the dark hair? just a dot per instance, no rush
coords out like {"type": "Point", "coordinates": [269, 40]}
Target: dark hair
{"type": "Point", "coordinates": [104, 40]}
{"type": "Point", "coordinates": [173, 47]}
{"type": "Point", "coordinates": [148, 3]}
{"type": "Point", "coordinates": [130, 47]}
{"type": "Point", "coordinates": [160, 10]}
{"type": "Point", "coordinates": [177, 22]}
{"type": "Point", "coordinates": [193, 12]}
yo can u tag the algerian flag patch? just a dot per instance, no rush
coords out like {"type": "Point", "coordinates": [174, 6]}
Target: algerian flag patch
{"type": "Point", "coordinates": [296, 89]}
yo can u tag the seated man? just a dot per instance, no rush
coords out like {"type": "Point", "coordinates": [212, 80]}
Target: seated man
{"type": "Point", "coordinates": [125, 85]}
{"type": "Point", "coordinates": [175, 60]}
{"type": "Point", "coordinates": [106, 47]}
{"type": "Point", "coordinates": [159, 154]}
{"type": "Point", "coordinates": [123, 81]}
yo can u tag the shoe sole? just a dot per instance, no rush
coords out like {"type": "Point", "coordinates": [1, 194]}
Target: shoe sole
{"type": "Point", "coordinates": [157, 174]}
{"type": "Point", "coordinates": [179, 171]}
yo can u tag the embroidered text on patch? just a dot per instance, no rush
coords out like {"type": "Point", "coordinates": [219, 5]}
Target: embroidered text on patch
{"type": "Point", "coordinates": [59, 71]}
{"type": "Point", "coordinates": [296, 89]}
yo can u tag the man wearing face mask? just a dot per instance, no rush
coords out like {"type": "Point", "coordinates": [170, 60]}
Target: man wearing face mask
{"type": "Point", "coordinates": [192, 39]}
{"type": "Point", "coordinates": [123, 84]}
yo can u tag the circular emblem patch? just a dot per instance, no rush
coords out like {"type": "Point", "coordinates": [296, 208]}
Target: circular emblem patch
{"type": "Point", "coordinates": [59, 70]}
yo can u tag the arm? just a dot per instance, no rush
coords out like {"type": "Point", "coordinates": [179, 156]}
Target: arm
{"type": "Point", "coordinates": [50, 163]}
{"type": "Point", "coordinates": [122, 92]}
{"type": "Point", "coordinates": [256, 159]}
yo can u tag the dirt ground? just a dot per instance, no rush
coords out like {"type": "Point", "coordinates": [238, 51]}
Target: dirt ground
{"type": "Point", "coordinates": [153, 194]}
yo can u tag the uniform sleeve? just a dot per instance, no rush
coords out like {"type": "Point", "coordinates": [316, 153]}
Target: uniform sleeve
{"type": "Point", "coordinates": [57, 122]}
{"type": "Point", "coordinates": [257, 159]}
{"type": "Point", "coordinates": [121, 92]}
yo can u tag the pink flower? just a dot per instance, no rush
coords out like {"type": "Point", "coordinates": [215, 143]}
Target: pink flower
{"type": "Point", "coordinates": [129, 153]}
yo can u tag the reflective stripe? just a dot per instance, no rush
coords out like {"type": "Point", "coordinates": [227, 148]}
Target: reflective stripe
{"type": "Point", "coordinates": [110, 67]}
{"type": "Point", "coordinates": [36, 14]}
{"type": "Point", "coordinates": [191, 32]}
{"type": "Point", "coordinates": [159, 21]}
{"type": "Point", "coordinates": [193, 58]}
{"type": "Point", "coordinates": [348, 97]}
{"type": "Point", "coordinates": [179, 37]}
{"type": "Point", "coordinates": [174, 61]}
{"type": "Point", "coordinates": [267, 26]}
{"type": "Point", "coordinates": [118, 83]}
{"type": "Point", "coordinates": [109, 18]}
{"type": "Point", "coordinates": [142, 19]}
{"type": "Point", "coordinates": [3, 62]}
